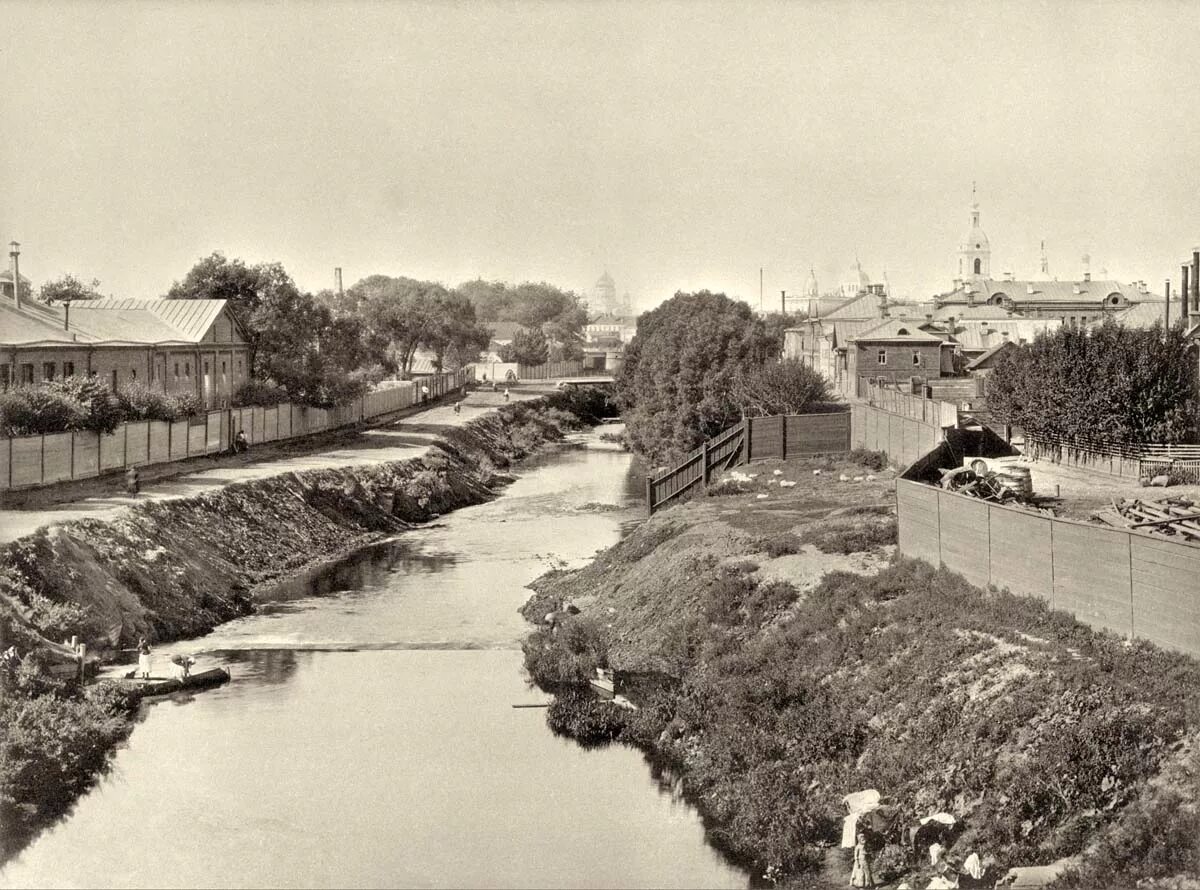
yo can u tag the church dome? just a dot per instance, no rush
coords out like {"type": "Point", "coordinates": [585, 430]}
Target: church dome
{"type": "Point", "coordinates": [810, 286]}
{"type": "Point", "coordinates": [975, 239]}
{"type": "Point", "coordinates": [605, 281]}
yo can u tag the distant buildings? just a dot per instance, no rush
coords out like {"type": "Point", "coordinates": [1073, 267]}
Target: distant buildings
{"type": "Point", "coordinates": [604, 300]}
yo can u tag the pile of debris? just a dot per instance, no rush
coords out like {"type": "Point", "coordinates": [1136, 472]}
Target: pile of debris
{"type": "Point", "coordinates": [1176, 517]}
{"type": "Point", "coordinates": [987, 484]}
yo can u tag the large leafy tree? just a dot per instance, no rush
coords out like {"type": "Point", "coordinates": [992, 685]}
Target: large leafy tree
{"type": "Point", "coordinates": [529, 346]}
{"type": "Point", "coordinates": [216, 277]}
{"type": "Point", "coordinates": [557, 313]}
{"type": "Point", "coordinates": [677, 385]}
{"type": "Point", "coordinates": [1110, 384]}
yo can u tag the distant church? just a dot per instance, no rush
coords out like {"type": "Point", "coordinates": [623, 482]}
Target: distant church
{"type": "Point", "coordinates": [604, 300]}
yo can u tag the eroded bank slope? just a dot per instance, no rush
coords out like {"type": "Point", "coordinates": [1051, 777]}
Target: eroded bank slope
{"type": "Point", "coordinates": [794, 663]}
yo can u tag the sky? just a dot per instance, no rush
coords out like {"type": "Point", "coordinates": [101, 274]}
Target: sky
{"type": "Point", "coordinates": [680, 146]}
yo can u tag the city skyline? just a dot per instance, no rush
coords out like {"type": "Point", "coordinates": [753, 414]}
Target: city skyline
{"type": "Point", "coordinates": [680, 146]}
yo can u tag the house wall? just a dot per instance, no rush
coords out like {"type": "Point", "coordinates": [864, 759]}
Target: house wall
{"type": "Point", "coordinates": [899, 360]}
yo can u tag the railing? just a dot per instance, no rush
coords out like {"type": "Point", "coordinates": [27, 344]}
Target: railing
{"type": "Point", "coordinates": [31, 461]}
{"type": "Point", "coordinates": [1128, 461]}
{"type": "Point", "coordinates": [754, 439]}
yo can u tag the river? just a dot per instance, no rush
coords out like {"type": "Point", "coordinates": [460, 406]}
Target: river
{"type": "Point", "coordinates": [368, 738]}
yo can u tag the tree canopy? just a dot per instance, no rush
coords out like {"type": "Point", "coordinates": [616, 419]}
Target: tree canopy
{"type": "Point", "coordinates": [1111, 384]}
{"type": "Point", "coordinates": [678, 384]}
{"type": "Point", "coordinates": [68, 289]}
{"type": "Point", "coordinates": [529, 346]}
{"type": "Point", "coordinates": [557, 313]}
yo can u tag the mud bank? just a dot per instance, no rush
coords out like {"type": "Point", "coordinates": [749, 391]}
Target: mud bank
{"type": "Point", "coordinates": [173, 569]}
{"type": "Point", "coordinates": [781, 658]}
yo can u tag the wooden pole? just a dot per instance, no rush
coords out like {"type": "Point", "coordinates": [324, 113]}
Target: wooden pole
{"type": "Point", "coordinates": [704, 464]}
{"type": "Point", "coordinates": [649, 497]}
{"type": "Point", "coordinates": [783, 436]}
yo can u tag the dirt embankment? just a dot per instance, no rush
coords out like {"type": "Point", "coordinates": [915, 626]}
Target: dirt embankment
{"type": "Point", "coordinates": [178, 568]}
{"type": "Point", "coordinates": [794, 661]}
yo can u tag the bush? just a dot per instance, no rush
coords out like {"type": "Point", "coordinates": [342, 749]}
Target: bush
{"type": "Point", "coordinates": [139, 402]}
{"type": "Point", "coordinates": [870, 460]}
{"type": "Point", "coordinates": [259, 394]}
{"type": "Point", "coordinates": [848, 538]}
{"type": "Point", "coordinates": [782, 545]}
{"type": "Point", "coordinates": [101, 411]}
{"type": "Point", "coordinates": [30, 411]}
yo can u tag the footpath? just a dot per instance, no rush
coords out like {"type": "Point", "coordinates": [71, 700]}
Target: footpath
{"type": "Point", "coordinates": [409, 437]}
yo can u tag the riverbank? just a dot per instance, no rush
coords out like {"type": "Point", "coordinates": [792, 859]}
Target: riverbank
{"type": "Point", "coordinates": [781, 659]}
{"type": "Point", "coordinates": [177, 568]}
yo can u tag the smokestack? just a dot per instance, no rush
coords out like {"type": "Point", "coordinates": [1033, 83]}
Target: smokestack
{"type": "Point", "coordinates": [1195, 301]}
{"type": "Point", "coordinates": [783, 302]}
{"type": "Point", "coordinates": [66, 315]}
{"type": "Point", "coordinates": [13, 254]}
{"type": "Point", "coordinates": [1167, 305]}
{"type": "Point", "coordinates": [337, 277]}
{"type": "Point", "coordinates": [1184, 291]}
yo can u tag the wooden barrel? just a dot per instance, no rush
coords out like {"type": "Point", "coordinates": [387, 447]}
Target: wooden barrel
{"type": "Point", "coordinates": [1023, 478]}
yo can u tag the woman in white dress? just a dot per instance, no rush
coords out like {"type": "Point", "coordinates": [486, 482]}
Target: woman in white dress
{"type": "Point", "coordinates": [144, 658]}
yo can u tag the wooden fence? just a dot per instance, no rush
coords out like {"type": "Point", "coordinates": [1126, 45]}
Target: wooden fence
{"type": "Point", "coordinates": [1123, 580]}
{"type": "Point", "coordinates": [31, 461]}
{"type": "Point", "coordinates": [755, 438]}
{"type": "Point", "coordinates": [499, 371]}
{"type": "Point", "coordinates": [893, 401]}
{"type": "Point", "coordinates": [1139, 462]}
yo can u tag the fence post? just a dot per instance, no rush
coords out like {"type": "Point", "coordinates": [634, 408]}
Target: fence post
{"type": "Point", "coordinates": [749, 424]}
{"type": "Point", "coordinates": [649, 497]}
{"type": "Point", "coordinates": [704, 464]}
{"type": "Point", "coordinates": [783, 436]}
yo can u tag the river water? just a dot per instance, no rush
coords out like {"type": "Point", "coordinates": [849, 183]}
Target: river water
{"type": "Point", "coordinates": [368, 737]}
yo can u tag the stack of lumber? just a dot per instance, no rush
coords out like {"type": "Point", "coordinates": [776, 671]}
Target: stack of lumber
{"type": "Point", "coordinates": [1170, 516]}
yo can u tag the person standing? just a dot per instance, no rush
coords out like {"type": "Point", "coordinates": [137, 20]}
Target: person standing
{"type": "Point", "coordinates": [860, 875]}
{"type": "Point", "coordinates": [506, 393]}
{"type": "Point", "coordinates": [144, 659]}
{"type": "Point", "coordinates": [424, 393]}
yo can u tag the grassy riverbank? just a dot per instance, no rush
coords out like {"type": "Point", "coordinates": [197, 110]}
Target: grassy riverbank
{"type": "Point", "coordinates": [175, 569]}
{"type": "Point", "coordinates": [781, 660]}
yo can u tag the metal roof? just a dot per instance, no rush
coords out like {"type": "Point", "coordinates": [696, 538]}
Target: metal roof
{"type": "Point", "coordinates": [110, 321]}
{"type": "Point", "coordinates": [897, 329]}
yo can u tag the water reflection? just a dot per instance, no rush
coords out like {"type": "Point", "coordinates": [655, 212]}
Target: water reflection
{"type": "Point", "coordinates": [368, 738]}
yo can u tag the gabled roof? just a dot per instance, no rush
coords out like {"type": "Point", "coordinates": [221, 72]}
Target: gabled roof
{"type": "Point", "coordinates": [1029, 291]}
{"type": "Point", "coordinates": [980, 360]}
{"type": "Point", "coordinates": [979, 311]}
{"type": "Point", "coordinates": [975, 334]}
{"type": "Point", "coordinates": [902, 330]}
{"type": "Point", "coordinates": [862, 306]}
{"type": "Point", "coordinates": [28, 325]}
{"type": "Point", "coordinates": [186, 320]}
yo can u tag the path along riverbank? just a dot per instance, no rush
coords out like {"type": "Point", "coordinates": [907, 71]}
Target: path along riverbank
{"type": "Point", "coordinates": [175, 566]}
{"type": "Point", "coordinates": [781, 659]}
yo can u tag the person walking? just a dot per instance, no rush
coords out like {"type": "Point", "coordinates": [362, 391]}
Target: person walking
{"type": "Point", "coordinates": [506, 393]}
{"type": "Point", "coordinates": [458, 407]}
{"type": "Point", "coordinates": [424, 393]}
{"type": "Point", "coordinates": [143, 649]}
{"type": "Point", "coordinates": [860, 874]}
{"type": "Point", "coordinates": [133, 480]}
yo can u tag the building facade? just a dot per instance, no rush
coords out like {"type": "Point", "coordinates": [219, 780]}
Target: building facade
{"type": "Point", "coordinates": [175, 347]}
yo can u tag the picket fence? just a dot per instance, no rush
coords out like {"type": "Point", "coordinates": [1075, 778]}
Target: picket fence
{"type": "Point", "coordinates": [32, 461]}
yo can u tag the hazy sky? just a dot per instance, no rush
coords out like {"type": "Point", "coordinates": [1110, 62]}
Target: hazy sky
{"type": "Point", "coordinates": [678, 145]}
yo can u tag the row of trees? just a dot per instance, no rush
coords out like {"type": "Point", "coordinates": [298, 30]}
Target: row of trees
{"type": "Point", "coordinates": [698, 364]}
{"type": "Point", "coordinates": [1110, 383]}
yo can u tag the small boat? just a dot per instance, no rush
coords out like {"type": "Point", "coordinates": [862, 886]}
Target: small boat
{"type": "Point", "coordinates": [166, 685]}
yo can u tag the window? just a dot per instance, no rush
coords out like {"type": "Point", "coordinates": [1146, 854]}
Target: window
{"type": "Point", "coordinates": [47, 370]}
{"type": "Point", "coordinates": [916, 359]}
{"type": "Point", "coordinates": [27, 372]}
{"type": "Point", "coordinates": [114, 380]}
{"type": "Point", "coordinates": [5, 376]}
{"type": "Point", "coordinates": [978, 264]}
{"type": "Point", "coordinates": [177, 370]}
{"type": "Point", "coordinates": [206, 369]}
{"type": "Point", "coordinates": [882, 357]}
{"type": "Point", "coordinates": [133, 373]}
{"type": "Point", "coordinates": [187, 369]}
{"type": "Point", "coordinates": [68, 369]}
{"type": "Point", "coordinates": [239, 367]}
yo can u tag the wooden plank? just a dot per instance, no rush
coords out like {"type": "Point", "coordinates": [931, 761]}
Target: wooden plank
{"type": "Point", "coordinates": [160, 442]}
{"type": "Point", "coordinates": [87, 455]}
{"type": "Point", "coordinates": [26, 460]}
{"type": "Point", "coordinates": [917, 511]}
{"type": "Point", "coordinates": [1092, 574]}
{"type": "Point", "coordinates": [1166, 594]}
{"type": "Point", "coordinates": [56, 457]}
{"type": "Point", "coordinates": [964, 536]}
{"type": "Point", "coordinates": [1020, 552]}
{"type": "Point", "coordinates": [179, 439]}
{"type": "Point", "coordinates": [112, 450]}
{"type": "Point", "coordinates": [137, 443]}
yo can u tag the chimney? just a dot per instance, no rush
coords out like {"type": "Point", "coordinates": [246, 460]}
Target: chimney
{"type": "Point", "coordinates": [13, 254]}
{"type": "Point", "coordinates": [1167, 305]}
{"type": "Point", "coordinates": [66, 315]}
{"type": "Point", "coordinates": [337, 278]}
{"type": "Point", "coordinates": [1184, 291]}
{"type": "Point", "coordinates": [1195, 301]}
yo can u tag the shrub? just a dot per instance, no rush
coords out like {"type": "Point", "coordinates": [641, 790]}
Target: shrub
{"type": "Point", "coordinates": [101, 411]}
{"type": "Point", "coordinates": [568, 655]}
{"type": "Point", "coordinates": [30, 411]}
{"type": "Point", "coordinates": [782, 545]}
{"type": "Point", "coordinates": [139, 402]}
{"type": "Point", "coordinates": [259, 394]}
{"type": "Point", "coordinates": [871, 460]}
{"type": "Point", "coordinates": [852, 538]}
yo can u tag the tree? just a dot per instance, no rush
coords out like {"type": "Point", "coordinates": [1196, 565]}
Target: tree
{"type": "Point", "coordinates": [216, 278]}
{"type": "Point", "coordinates": [559, 314]}
{"type": "Point", "coordinates": [785, 387]}
{"type": "Point", "coordinates": [529, 346]}
{"type": "Point", "coordinates": [453, 333]}
{"type": "Point", "coordinates": [68, 289]}
{"type": "Point", "coordinates": [1111, 384]}
{"type": "Point", "coordinates": [677, 384]}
